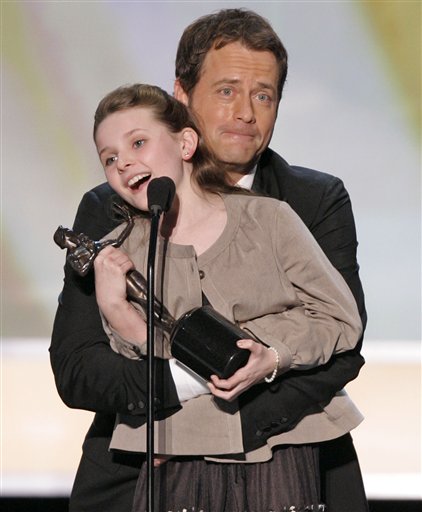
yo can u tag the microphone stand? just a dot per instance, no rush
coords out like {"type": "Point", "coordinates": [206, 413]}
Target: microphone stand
{"type": "Point", "coordinates": [156, 212]}
{"type": "Point", "coordinates": [160, 195]}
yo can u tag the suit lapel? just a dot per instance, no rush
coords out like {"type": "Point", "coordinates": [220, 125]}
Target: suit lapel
{"type": "Point", "coordinates": [270, 175]}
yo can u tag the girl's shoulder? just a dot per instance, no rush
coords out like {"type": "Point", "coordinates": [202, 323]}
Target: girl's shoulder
{"type": "Point", "coordinates": [256, 206]}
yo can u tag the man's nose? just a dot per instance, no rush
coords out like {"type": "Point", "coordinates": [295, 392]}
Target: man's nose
{"type": "Point", "coordinates": [244, 109]}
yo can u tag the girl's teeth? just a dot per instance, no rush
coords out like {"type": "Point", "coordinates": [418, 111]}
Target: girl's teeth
{"type": "Point", "coordinates": [137, 179]}
{"type": "Point", "coordinates": [134, 180]}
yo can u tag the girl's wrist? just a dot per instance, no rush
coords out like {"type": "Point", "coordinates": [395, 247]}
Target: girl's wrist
{"type": "Point", "coordinates": [270, 378]}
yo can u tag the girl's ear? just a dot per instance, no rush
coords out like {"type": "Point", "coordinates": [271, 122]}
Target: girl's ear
{"type": "Point", "coordinates": [189, 143]}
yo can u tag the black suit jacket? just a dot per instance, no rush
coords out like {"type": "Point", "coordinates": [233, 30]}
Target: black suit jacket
{"type": "Point", "coordinates": [89, 375]}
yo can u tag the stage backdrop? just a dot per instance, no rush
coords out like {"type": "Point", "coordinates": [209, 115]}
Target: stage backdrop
{"type": "Point", "coordinates": [351, 107]}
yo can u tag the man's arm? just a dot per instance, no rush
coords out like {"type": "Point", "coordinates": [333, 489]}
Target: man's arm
{"type": "Point", "coordinates": [88, 374]}
{"type": "Point", "coordinates": [325, 208]}
{"type": "Point", "coordinates": [334, 230]}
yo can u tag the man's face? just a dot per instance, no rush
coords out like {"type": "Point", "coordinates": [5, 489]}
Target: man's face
{"type": "Point", "coordinates": [235, 103]}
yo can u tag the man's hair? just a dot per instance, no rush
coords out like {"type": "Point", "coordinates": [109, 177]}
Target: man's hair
{"type": "Point", "coordinates": [214, 31]}
{"type": "Point", "coordinates": [174, 115]}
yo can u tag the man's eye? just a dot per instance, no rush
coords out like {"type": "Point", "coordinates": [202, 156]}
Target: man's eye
{"type": "Point", "coordinates": [110, 160]}
{"type": "Point", "coordinates": [139, 143]}
{"type": "Point", "coordinates": [263, 97]}
{"type": "Point", "coordinates": [226, 91]}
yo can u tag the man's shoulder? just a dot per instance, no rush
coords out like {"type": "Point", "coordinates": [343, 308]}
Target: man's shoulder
{"type": "Point", "coordinates": [307, 191]}
{"type": "Point", "coordinates": [102, 192]}
{"type": "Point", "coordinates": [94, 216]}
{"type": "Point", "coordinates": [272, 163]}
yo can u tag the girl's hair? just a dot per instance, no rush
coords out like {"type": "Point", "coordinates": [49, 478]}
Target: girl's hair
{"type": "Point", "coordinates": [207, 173]}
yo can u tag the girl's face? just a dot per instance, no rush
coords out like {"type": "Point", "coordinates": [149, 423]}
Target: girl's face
{"type": "Point", "coordinates": [134, 148]}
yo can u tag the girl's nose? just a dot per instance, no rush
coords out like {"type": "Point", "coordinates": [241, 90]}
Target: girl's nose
{"type": "Point", "coordinates": [124, 161]}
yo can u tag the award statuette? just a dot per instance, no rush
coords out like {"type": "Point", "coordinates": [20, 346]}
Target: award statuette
{"type": "Point", "coordinates": [202, 339]}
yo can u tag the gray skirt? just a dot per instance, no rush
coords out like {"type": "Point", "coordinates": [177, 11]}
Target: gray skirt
{"type": "Point", "coordinates": [289, 482]}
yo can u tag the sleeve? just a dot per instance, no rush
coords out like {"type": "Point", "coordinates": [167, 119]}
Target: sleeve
{"type": "Point", "coordinates": [188, 384]}
{"type": "Point", "coordinates": [279, 407]}
{"type": "Point", "coordinates": [335, 231]}
{"type": "Point", "coordinates": [134, 350]}
{"type": "Point", "coordinates": [323, 320]}
{"type": "Point", "coordinates": [88, 374]}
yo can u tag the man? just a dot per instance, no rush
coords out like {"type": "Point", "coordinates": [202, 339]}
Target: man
{"type": "Point", "coordinates": [230, 70]}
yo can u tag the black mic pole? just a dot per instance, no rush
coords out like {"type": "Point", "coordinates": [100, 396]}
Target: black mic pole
{"type": "Point", "coordinates": [150, 361]}
{"type": "Point", "coordinates": [160, 196]}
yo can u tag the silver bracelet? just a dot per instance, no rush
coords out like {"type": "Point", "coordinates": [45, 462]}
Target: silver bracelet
{"type": "Point", "coordinates": [270, 379]}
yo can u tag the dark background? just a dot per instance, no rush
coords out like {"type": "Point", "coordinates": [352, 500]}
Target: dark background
{"type": "Point", "coordinates": [61, 505]}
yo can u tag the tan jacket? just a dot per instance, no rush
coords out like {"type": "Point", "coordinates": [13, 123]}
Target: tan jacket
{"type": "Point", "coordinates": [266, 273]}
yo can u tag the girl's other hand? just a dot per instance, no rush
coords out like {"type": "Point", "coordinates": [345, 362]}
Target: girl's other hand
{"type": "Point", "coordinates": [261, 364]}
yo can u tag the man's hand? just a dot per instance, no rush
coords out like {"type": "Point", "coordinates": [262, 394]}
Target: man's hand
{"type": "Point", "coordinates": [159, 460]}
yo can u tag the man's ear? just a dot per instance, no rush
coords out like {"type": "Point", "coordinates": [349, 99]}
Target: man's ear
{"type": "Point", "coordinates": [189, 143]}
{"type": "Point", "coordinates": [179, 93]}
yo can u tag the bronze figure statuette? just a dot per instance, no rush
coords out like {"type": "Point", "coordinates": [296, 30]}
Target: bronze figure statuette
{"type": "Point", "coordinates": [82, 251]}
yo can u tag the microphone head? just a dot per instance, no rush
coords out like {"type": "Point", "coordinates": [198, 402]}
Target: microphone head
{"type": "Point", "coordinates": [160, 193]}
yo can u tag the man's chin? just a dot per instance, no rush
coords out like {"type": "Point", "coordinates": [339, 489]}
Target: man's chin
{"type": "Point", "coordinates": [238, 162]}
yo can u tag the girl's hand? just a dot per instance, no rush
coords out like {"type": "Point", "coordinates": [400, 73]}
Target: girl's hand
{"type": "Point", "coordinates": [261, 364]}
{"type": "Point", "coordinates": [111, 266]}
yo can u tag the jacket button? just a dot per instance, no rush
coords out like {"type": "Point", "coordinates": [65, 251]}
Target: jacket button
{"type": "Point", "coordinates": [141, 404]}
{"type": "Point", "coordinates": [131, 407]}
{"type": "Point", "coordinates": [201, 274]}
{"type": "Point", "coordinates": [258, 433]}
{"type": "Point", "coordinates": [157, 402]}
{"type": "Point", "coordinates": [284, 419]}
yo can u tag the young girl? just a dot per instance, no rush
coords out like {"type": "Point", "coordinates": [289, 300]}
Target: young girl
{"type": "Point", "coordinates": [257, 264]}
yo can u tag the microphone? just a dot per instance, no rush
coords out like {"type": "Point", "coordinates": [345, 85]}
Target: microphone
{"type": "Point", "coordinates": [160, 193]}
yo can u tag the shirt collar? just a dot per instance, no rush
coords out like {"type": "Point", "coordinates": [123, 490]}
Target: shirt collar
{"type": "Point", "coordinates": [246, 180]}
